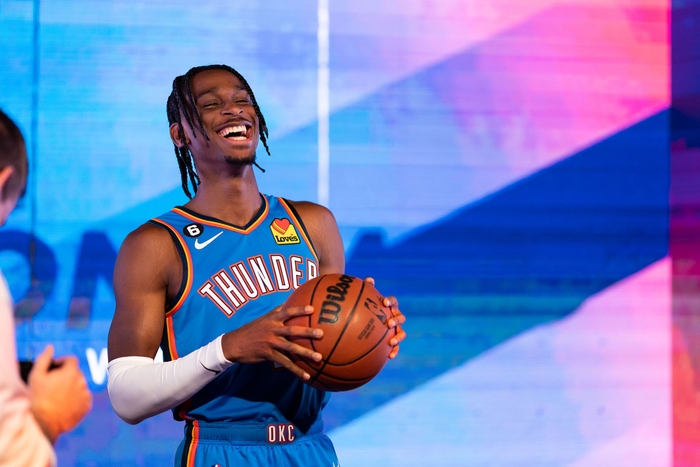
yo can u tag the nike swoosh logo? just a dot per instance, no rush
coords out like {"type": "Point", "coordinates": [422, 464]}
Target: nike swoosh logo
{"type": "Point", "coordinates": [209, 369]}
{"type": "Point", "coordinates": [199, 246]}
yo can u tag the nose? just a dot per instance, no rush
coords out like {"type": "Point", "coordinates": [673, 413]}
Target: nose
{"type": "Point", "coordinates": [232, 108]}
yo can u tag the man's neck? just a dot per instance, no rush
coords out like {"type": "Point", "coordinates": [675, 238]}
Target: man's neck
{"type": "Point", "coordinates": [231, 199]}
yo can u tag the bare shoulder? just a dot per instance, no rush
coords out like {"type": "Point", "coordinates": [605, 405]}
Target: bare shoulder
{"type": "Point", "coordinates": [147, 252]}
{"type": "Point", "coordinates": [314, 215]}
{"type": "Point", "coordinates": [325, 236]}
{"type": "Point", "coordinates": [147, 236]}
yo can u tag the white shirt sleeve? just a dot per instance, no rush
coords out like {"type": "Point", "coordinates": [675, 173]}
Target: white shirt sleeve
{"type": "Point", "coordinates": [22, 443]}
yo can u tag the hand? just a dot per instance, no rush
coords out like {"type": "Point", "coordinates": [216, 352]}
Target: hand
{"type": "Point", "coordinates": [395, 322]}
{"type": "Point", "coordinates": [266, 338]}
{"type": "Point", "coordinates": [60, 397]}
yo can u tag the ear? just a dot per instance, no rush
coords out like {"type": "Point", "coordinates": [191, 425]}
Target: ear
{"type": "Point", "coordinates": [175, 136]}
{"type": "Point", "coordinates": [5, 174]}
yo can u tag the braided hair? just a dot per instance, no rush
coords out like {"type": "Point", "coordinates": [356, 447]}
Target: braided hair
{"type": "Point", "coordinates": [181, 102]}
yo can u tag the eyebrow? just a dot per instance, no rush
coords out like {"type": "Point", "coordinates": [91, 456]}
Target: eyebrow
{"type": "Point", "coordinates": [214, 91]}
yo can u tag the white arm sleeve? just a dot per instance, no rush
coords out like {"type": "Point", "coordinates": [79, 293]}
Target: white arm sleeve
{"type": "Point", "coordinates": [139, 388]}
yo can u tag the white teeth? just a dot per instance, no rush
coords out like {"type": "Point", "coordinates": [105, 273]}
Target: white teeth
{"type": "Point", "coordinates": [233, 130]}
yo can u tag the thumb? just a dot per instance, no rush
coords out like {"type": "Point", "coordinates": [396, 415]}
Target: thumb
{"type": "Point", "coordinates": [43, 361]}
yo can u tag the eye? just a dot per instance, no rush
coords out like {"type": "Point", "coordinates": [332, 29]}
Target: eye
{"type": "Point", "coordinates": [210, 104]}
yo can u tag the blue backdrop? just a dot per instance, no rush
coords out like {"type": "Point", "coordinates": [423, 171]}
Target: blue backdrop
{"type": "Point", "coordinates": [501, 167]}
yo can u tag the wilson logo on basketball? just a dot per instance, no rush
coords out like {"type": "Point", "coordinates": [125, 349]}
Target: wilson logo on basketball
{"type": "Point", "coordinates": [284, 232]}
{"type": "Point", "coordinates": [330, 310]}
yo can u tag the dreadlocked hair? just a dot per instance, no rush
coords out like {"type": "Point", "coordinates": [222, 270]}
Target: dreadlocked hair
{"type": "Point", "coordinates": [181, 103]}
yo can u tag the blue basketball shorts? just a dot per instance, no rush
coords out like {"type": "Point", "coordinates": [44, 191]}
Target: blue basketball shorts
{"type": "Point", "coordinates": [235, 444]}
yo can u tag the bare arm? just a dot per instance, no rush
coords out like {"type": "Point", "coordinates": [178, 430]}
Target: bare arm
{"type": "Point", "coordinates": [325, 236]}
{"type": "Point", "coordinates": [147, 262]}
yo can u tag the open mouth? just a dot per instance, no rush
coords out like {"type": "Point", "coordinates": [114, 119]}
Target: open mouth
{"type": "Point", "coordinates": [235, 132]}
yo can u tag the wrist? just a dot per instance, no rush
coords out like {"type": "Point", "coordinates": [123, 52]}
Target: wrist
{"type": "Point", "coordinates": [226, 348]}
{"type": "Point", "coordinates": [43, 417]}
{"type": "Point", "coordinates": [221, 351]}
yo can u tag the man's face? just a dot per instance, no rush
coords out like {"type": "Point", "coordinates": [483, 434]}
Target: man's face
{"type": "Point", "coordinates": [228, 117]}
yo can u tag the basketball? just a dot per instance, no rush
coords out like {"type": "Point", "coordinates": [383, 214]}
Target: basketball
{"type": "Point", "coordinates": [355, 343]}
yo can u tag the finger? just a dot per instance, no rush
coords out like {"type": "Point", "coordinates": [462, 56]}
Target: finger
{"type": "Point", "coordinates": [400, 336]}
{"type": "Point", "coordinates": [297, 311]}
{"type": "Point", "coordinates": [43, 361]}
{"type": "Point", "coordinates": [394, 352]}
{"type": "Point", "coordinates": [69, 361]}
{"type": "Point", "coordinates": [292, 348]}
{"type": "Point", "coordinates": [303, 331]}
{"type": "Point", "coordinates": [397, 320]}
{"type": "Point", "coordinates": [286, 362]}
{"type": "Point", "coordinates": [390, 302]}
{"type": "Point", "coordinates": [370, 280]}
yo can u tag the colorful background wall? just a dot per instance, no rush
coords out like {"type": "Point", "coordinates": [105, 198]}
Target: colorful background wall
{"type": "Point", "coordinates": [521, 174]}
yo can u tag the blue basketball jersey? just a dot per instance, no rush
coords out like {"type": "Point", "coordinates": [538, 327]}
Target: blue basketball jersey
{"type": "Point", "coordinates": [231, 276]}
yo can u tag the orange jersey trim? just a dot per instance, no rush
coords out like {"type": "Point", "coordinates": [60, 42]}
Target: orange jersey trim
{"type": "Point", "coordinates": [225, 226]}
{"type": "Point", "coordinates": [184, 407]}
{"type": "Point", "coordinates": [187, 270]}
{"type": "Point", "coordinates": [192, 448]}
{"type": "Point", "coordinates": [170, 334]}
{"type": "Point", "coordinates": [300, 228]}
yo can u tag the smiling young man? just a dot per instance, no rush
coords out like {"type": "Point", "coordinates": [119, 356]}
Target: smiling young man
{"type": "Point", "coordinates": [206, 282]}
